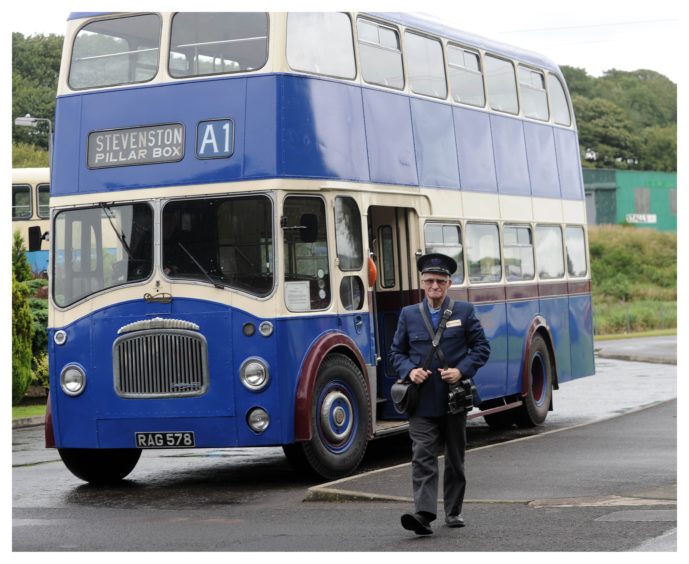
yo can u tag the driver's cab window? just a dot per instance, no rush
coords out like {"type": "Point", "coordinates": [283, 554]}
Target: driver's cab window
{"type": "Point", "coordinates": [307, 275]}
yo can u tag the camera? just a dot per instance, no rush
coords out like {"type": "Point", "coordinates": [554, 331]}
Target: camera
{"type": "Point", "coordinates": [461, 397]}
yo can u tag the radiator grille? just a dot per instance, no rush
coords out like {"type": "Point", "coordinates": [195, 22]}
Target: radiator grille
{"type": "Point", "coordinates": [160, 363]}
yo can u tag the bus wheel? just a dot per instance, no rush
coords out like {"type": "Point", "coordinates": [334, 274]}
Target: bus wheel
{"type": "Point", "coordinates": [339, 421]}
{"type": "Point", "coordinates": [501, 419]}
{"type": "Point", "coordinates": [537, 401]}
{"type": "Point", "coordinates": [100, 466]}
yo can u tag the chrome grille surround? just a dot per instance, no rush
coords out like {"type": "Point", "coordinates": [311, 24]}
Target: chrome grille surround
{"type": "Point", "coordinates": [158, 363]}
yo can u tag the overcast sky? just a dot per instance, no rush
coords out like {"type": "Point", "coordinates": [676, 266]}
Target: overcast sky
{"type": "Point", "coordinates": [597, 35]}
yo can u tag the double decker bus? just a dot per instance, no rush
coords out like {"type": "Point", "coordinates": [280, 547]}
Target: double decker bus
{"type": "Point", "coordinates": [237, 206]}
{"type": "Point", "coordinates": [31, 208]}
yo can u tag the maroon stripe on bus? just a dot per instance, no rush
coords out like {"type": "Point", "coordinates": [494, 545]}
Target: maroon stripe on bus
{"type": "Point", "coordinates": [579, 287]}
{"type": "Point", "coordinates": [550, 289]}
{"type": "Point", "coordinates": [521, 291]}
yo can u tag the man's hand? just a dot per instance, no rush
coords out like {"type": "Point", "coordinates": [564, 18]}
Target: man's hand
{"type": "Point", "coordinates": [419, 375]}
{"type": "Point", "coordinates": [451, 375]}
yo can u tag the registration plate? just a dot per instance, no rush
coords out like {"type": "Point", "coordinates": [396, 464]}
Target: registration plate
{"type": "Point", "coordinates": [179, 439]}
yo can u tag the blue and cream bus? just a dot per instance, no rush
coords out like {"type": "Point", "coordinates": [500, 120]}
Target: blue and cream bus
{"type": "Point", "coordinates": [237, 205]}
{"type": "Point", "coordinates": [31, 208]}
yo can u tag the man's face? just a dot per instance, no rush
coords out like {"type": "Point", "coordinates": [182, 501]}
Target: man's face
{"type": "Point", "coordinates": [435, 285]}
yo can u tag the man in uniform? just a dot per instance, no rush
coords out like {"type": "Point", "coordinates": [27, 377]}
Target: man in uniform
{"type": "Point", "coordinates": [463, 349]}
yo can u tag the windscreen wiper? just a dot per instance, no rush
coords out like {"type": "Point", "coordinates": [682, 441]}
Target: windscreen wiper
{"type": "Point", "coordinates": [203, 270]}
{"type": "Point", "coordinates": [120, 236]}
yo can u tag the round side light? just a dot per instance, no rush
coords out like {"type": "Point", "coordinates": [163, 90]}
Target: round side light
{"type": "Point", "coordinates": [73, 380]}
{"type": "Point", "coordinates": [60, 337]}
{"type": "Point", "coordinates": [258, 420]}
{"type": "Point", "coordinates": [254, 374]}
{"type": "Point", "coordinates": [266, 328]}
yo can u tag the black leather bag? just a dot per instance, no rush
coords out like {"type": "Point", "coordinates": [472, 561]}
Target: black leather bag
{"type": "Point", "coordinates": [405, 396]}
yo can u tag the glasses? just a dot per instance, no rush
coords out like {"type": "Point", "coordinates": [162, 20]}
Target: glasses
{"type": "Point", "coordinates": [438, 281]}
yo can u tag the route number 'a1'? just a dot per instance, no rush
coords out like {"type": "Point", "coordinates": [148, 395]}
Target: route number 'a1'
{"type": "Point", "coordinates": [215, 139]}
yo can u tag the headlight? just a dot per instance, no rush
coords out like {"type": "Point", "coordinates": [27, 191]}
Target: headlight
{"type": "Point", "coordinates": [254, 374]}
{"type": "Point", "coordinates": [258, 420]}
{"type": "Point", "coordinates": [72, 380]}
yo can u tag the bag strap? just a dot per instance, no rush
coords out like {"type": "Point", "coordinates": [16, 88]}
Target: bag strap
{"type": "Point", "coordinates": [437, 335]}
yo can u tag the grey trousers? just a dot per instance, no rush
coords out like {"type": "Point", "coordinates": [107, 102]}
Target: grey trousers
{"type": "Point", "coordinates": [428, 434]}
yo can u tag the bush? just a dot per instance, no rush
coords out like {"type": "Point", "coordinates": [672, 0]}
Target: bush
{"type": "Point", "coordinates": [21, 341]}
{"type": "Point", "coordinates": [41, 374]}
{"type": "Point", "coordinates": [20, 265]}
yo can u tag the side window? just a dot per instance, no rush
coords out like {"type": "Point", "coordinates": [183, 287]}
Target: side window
{"type": "Point", "coordinates": [206, 43]}
{"type": "Point", "coordinates": [466, 77]}
{"type": "Point", "coordinates": [551, 263]}
{"type": "Point", "coordinates": [44, 200]}
{"type": "Point", "coordinates": [350, 254]}
{"type": "Point", "coordinates": [483, 252]}
{"type": "Point", "coordinates": [532, 89]}
{"type": "Point", "coordinates": [380, 54]}
{"type": "Point", "coordinates": [576, 251]}
{"type": "Point", "coordinates": [307, 276]}
{"type": "Point", "coordinates": [558, 101]}
{"type": "Point", "coordinates": [518, 253]}
{"type": "Point", "coordinates": [387, 256]}
{"type": "Point", "coordinates": [425, 65]}
{"type": "Point", "coordinates": [321, 43]}
{"type": "Point", "coordinates": [502, 87]}
{"type": "Point", "coordinates": [642, 200]}
{"type": "Point", "coordinates": [21, 201]}
{"type": "Point", "coordinates": [447, 239]}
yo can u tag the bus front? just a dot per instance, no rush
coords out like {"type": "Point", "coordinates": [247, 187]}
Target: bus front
{"type": "Point", "coordinates": [168, 229]}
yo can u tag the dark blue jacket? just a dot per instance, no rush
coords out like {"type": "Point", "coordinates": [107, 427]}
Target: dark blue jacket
{"type": "Point", "coordinates": [464, 344]}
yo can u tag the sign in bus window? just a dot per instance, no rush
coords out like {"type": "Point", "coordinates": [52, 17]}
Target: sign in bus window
{"type": "Point", "coordinates": [518, 253]}
{"type": "Point", "coordinates": [483, 252]}
{"type": "Point", "coordinates": [206, 43]}
{"type": "Point", "coordinates": [447, 239]}
{"type": "Point", "coordinates": [576, 251]}
{"type": "Point", "coordinates": [307, 275]}
{"type": "Point", "coordinates": [549, 256]}
{"type": "Point", "coordinates": [116, 51]}
{"type": "Point", "coordinates": [321, 43]}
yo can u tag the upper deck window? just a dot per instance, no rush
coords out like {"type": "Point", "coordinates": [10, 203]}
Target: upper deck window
{"type": "Point", "coordinates": [115, 51]}
{"type": "Point", "coordinates": [558, 101]}
{"type": "Point", "coordinates": [466, 78]}
{"type": "Point", "coordinates": [321, 43]}
{"type": "Point", "coordinates": [380, 54]}
{"type": "Point", "coordinates": [502, 86]}
{"type": "Point", "coordinates": [532, 89]}
{"type": "Point", "coordinates": [205, 43]}
{"type": "Point", "coordinates": [425, 65]}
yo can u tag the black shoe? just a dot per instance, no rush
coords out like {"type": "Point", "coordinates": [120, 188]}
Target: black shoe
{"type": "Point", "coordinates": [455, 521]}
{"type": "Point", "coordinates": [417, 523]}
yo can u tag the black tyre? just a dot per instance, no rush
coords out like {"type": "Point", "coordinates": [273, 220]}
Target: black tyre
{"type": "Point", "coordinates": [100, 466]}
{"type": "Point", "coordinates": [339, 422]}
{"type": "Point", "coordinates": [537, 401]}
{"type": "Point", "coordinates": [501, 419]}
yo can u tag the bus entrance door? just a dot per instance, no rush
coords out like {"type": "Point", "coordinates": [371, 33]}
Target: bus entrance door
{"type": "Point", "coordinates": [392, 238]}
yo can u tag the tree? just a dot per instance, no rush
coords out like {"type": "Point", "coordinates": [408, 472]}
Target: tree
{"type": "Point", "coordinates": [21, 341]}
{"type": "Point", "coordinates": [21, 269]}
{"type": "Point", "coordinates": [605, 129]}
{"type": "Point", "coordinates": [35, 72]}
{"type": "Point", "coordinates": [659, 148]}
